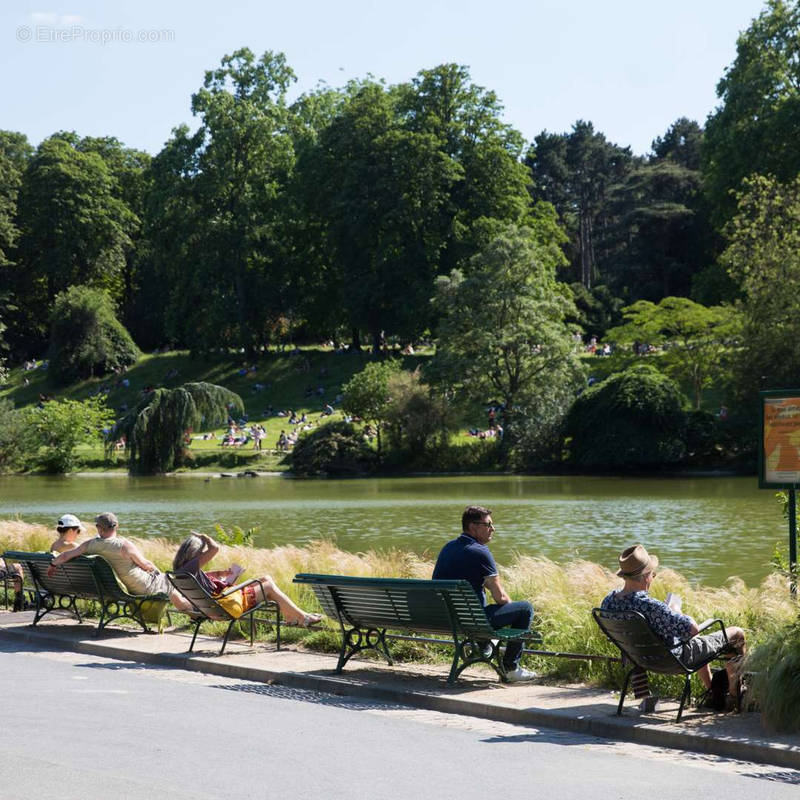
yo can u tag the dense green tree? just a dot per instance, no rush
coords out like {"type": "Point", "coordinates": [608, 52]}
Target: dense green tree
{"type": "Point", "coordinates": [632, 419]}
{"type": "Point", "coordinates": [14, 155]}
{"type": "Point", "coordinates": [130, 170]}
{"type": "Point", "coordinates": [12, 436]}
{"type": "Point", "coordinates": [755, 127]}
{"type": "Point", "coordinates": [503, 335]}
{"type": "Point", "coordinates": [696, 340]}
{"type": "Point", "coordinates": [366, 394]}
{"type": "Point", "coordinates": [74, 230]}
{"type": "Point", "coordinates": [378, 189]}
{"type": "Point", "coordinates": [54, 430]}
{"type": "Point", "coordinates": [763, 256]}
{"type": "Point", "coordinates": [154, 431]}
{"type": "Point", "coordinates": [418, 418]}
{"type": "Point", "coordinates": [226, 267]}
{"type": "Point", "coordinates": [575, 172]}
{"type": "Point", "coordinates": [658, 234]}
{"type": "Point", "coordinates": [485, 152]}
{"type": "Point", "coordinates": [681, 144]}
{"type": "Point", "coordinates": [86, 338]}
{"type": "Point", "coordinates": [598, 309]}
{"type": "Point", "coordinates": [171, 238]}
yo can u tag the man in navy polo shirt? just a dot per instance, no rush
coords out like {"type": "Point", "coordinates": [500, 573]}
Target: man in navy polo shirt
{"type": "Point", "coordinates": [469, 558]}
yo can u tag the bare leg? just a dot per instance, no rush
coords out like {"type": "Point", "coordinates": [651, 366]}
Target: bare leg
{"type": "Point", "coordinates": [180, 602]}
{"type": "Point", "coordinates": [733, 665]}
{"type": "Point", "coordinates": [704, 673]}
{"type": "Point", "coordinates": [291, 613]}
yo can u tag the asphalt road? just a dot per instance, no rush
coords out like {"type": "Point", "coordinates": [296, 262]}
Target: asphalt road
{"type": "Point", "coordinates": [84, 727]}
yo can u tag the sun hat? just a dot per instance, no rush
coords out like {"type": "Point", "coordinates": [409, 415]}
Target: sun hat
{"type": "Point", "coordinates": [106, 520]}
{"type": "Point", "coordinates": [69, 521]}
{"type": "Point", "coordinates": [636, 560]}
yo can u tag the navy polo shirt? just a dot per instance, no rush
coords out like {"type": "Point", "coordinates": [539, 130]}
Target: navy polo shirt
{"type": "Point", "coordinates": [466, 559]}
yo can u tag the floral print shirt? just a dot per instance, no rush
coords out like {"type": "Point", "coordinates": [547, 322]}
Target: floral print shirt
{"type": "Point", "coordinates": [670, 625]}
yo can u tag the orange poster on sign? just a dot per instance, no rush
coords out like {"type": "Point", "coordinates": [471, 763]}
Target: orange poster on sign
{"type": "Point", "coordinates": [781, 443]}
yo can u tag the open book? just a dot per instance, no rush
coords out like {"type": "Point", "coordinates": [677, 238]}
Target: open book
{"type": "Point", "coordinates": [234, 573]}
{"type": "Point", "coordinates": [674, 601]}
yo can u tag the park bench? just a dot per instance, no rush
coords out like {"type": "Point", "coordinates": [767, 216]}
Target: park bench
{"type": "Point", "coordinates": [206, 608]}
{"type": "Point", "coordinates": [645, 650]}
{"type": "Point", "coordinates": [85, 578]}
{"type": "Point", "coordinates": [367, 608]}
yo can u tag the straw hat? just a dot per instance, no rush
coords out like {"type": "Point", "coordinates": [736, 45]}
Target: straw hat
{"type": "Point", "coordinates": [636, 560]}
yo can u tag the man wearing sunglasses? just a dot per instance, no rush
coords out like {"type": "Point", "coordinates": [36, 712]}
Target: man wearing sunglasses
{"type": "Point", "coordinates": [468, 558]}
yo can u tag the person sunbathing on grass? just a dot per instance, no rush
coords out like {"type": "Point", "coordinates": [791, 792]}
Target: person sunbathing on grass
{"type": "Point", "coordinates": [198, 549]}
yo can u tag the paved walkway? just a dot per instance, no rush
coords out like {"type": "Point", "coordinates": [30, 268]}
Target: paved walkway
{"type": "Point", "coordinates": [479, 694]}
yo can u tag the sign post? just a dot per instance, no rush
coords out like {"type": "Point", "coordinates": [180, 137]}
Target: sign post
{"type": "Point", "coordinates": [779, 458]}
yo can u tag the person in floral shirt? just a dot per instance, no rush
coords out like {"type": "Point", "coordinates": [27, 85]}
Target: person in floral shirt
{"type": "Point", "coordinates": [638, 569]}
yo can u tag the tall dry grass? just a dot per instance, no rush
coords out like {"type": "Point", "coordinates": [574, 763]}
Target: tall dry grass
{"type": "Point", "coordinates": [562, 594]}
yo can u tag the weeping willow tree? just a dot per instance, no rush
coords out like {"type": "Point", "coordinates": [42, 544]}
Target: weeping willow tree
{"type": "Point", "coordinates": [154, 431]}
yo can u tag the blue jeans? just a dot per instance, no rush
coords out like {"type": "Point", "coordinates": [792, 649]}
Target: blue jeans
{"type": "Point", "coordinates": [518, 614]}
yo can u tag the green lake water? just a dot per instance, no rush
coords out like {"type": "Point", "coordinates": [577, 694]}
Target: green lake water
{"type": "Point", "coordinates": [706, 528]}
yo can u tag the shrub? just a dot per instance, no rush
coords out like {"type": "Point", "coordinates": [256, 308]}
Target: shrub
{"type": "Point", "coordinates": [776, 681]}
{"type": "Point", "coordinates": [11, 436]}
{"type": "Point", "coordinates": [334, 449]}
{"type": "Point", "coordinates": [54, 430]}
{"type": "Point", "coordinates": [417, 418]}
{"type": "Point", "coordinates": [631, 419]}
{"type": "Point", "coordinates": [86, 338]}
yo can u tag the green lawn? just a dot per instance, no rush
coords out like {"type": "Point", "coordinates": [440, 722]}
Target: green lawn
{"type": "Point", "coordinates": [283, 381]}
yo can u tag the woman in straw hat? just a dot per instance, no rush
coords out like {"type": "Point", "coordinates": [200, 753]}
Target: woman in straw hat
{"type": "Point", "coordinates": [638, 569]}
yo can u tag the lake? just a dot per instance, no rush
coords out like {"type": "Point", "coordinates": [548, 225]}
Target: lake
{"type": "Point", "coordinates": [706, 528]}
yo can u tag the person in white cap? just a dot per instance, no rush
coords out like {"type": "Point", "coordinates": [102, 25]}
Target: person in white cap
{"type": "Point", "coordinates": [638, 569]}
{"type": "Point", "coordinates": [69, 527]}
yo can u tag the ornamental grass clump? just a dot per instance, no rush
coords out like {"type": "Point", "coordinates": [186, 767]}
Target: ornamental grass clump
{"type": "Point", "coordinates": [775, 664]}
{"type": "Point", "coordinates": [563, 596]}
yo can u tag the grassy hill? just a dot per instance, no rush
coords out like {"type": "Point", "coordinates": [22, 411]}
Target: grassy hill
{"type": "Point", "coordinates": [303, 380]}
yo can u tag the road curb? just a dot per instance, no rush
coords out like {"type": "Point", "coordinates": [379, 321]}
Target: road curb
{"type": "Point", "coordinates": [602, 725]}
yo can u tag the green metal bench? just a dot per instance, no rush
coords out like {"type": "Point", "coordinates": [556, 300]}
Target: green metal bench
{"type": "Point", "coordinates": [207, 608]}
{"type": "Point", "coordinates": [85, 578]}
{"type": "Point", "coordinates": [367, 608]}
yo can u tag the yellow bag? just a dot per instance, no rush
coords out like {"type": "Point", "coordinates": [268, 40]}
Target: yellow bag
{"type": "Point", "coordinates": [233, 603]}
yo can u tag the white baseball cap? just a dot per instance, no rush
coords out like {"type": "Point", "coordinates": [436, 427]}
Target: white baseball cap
{"type": "Point", "coordinates": [70, 521]}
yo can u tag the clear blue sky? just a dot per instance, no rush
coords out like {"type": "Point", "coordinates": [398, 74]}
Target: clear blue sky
{"type": "Point", "coordinates": [630, 66]}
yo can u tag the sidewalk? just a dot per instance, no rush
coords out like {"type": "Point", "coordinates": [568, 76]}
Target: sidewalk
{"type": "Point", "coordinates": [568, 707]}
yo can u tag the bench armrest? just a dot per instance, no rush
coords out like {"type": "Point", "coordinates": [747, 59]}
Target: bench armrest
{"type": "Point", "coordinates": [705, 625]}
{"type": "Point", "coordinates": [237, 587]}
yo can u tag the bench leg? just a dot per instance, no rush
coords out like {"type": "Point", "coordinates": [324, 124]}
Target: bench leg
{"type": "Point", "coordinates": [355, 640]}
{"type": "Point", "coordinates": [197, 625]}
{"type": "Point", "coordinates": [470, 651]}
{"type": "Point", "coordinates": [624, 690]}
{"type": "Point", "coordinates": [687, 690]}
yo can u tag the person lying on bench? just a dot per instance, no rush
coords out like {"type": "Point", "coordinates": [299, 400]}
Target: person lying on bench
{"type": "Point", "coordinates": [198, 549]}
{"type": "Point", "coordinates": [638, 568]}
{"type": "Point", "coordinates": [468, 558]}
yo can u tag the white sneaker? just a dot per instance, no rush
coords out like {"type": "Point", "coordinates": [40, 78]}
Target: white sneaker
{"type": "Point", "coordinates": [519, 674]}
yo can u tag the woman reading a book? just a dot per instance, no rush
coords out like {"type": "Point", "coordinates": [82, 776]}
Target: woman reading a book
{"type": "Point", "coordinates": [198, 549]}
